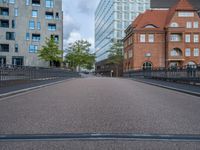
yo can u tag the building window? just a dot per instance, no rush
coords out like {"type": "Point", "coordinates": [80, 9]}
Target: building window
{"type": "Point", "coordinates": [176, 52]}
{"type": "Point", "coordinates": [31, 25]}
{"type": "Point", "coordinates": [142, 38]}
{"type": "Point", "coordinates": [2, 60]}
{"type": "Point", "coordinates": [13, 24]}
{"type": "Point", "coordinates": [27, 2]}
{"type": "Point", "coordinates": [4, 11]}
{"type": "Point", "coordinates": [49, 3]}
{"type": "Point", "coordinates": [10, 36]}
{"type": "Point", "coordinates": [56, 38]}
{"type": "Point", "coordinates": [4, 47]}
{"type": "Point", "coordinates": [151, 38]}
{"type": "Point", "coordinates": [11, 1]}
{"type": "Point", "coordinates": [187, 52]}
{"type": "Point", "coordinates": [147, 66]}
{"type": "Point", "coordinates": [4, 23]}
{"type": "Point", "coordinates": [175, 37]}
{"type": "Point", "coordinates": [38, 25]}
{"type": "Point", "coordinates": [186, 14]}
{"type": "Point", "coordinates": [49, 15]}
{"type": "Point", "coordinates": [196, 24]}
{"type": "Point", "coordinates": [57, 15]}
{"type": "Point", "coordinates": [16, 48]}
{"type": "Point", "coordinates": [189, 25]}
{"type": "Point", "coordinates": [36, 2]}
{"type": "Point", "coordinates": [33, 48]}
{"type": "Point", "coordinates": [174, 25]}
{"type": "Point", "coordinates": [36, 37]}
{"type": "Point", "coordinates": [187, 38]}
{"type": "Point", "coordinates": [18, 61]}
{"type": "Point", "coordinates": [34, 13]}
{"type": "Point", "coordinates": [27, 36]}
{"type": "Point", "coordinates": [130, 53]}
{"type": "Point", "coordinates": [196, 52]}
{"type": "Point", "coordinates": [51, 27]}
{"type": "Point", "coordinates": [16, 12]}
{"type": "Point", "coordinates": [196, 38]}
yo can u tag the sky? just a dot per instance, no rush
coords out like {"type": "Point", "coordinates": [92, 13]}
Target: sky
{"type": "Point", "coordinates": [79, 20]}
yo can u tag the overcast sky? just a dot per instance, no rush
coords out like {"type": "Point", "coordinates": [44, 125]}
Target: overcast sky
{"type": "Point", "coordinates": [79, 20]}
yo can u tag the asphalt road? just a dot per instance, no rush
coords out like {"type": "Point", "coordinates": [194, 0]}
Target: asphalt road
{"type": "Point", "coordinates": [100, 105]}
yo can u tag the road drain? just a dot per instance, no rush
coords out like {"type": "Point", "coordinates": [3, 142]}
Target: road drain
{"type": "Point", "coordinates": [99, 137]}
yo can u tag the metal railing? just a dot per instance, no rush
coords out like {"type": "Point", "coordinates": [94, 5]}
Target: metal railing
{"type": "Point", "coordinates": [10, 75]}
{"type": "Point", "coordinates": [177, 74]}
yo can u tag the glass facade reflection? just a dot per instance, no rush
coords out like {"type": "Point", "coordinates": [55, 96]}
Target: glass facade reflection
{"type": "Point", "coordinates": [112, 17]}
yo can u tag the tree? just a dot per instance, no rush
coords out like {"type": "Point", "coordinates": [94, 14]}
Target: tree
{"type": "Point", "coordinates": [78, 55]}
{"type": "Point", "coordinates": [50, 52]}
{"type": "Point", "coordinates": [116, 56]}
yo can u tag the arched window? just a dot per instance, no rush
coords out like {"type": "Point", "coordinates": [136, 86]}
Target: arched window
{"type": "Point", "coordinates": [147, 66]}
{"type": "Point", "coordinates": [176, 52]}
{"type": "Point", "coordinates": [174, 25]}
{"type": "Point", "coordinates": [150, 26]}
{"type": "Point", "coordinates": [191, 64]}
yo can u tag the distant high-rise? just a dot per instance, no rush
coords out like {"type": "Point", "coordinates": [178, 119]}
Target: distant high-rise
{"type": "Point", "coordinates": [169, 3]}
{"type": "Point", "coordinates": [24, 26]}
{"type": "Point", "coordinates": [112, 17]}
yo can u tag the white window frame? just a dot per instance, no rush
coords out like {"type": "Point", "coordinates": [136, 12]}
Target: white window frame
{"type": "Point", "coordinates": [196, 52]}
{"type": "Point", "coordinates": [142, 38]}
{"type": "Point", "coordinates": [196, 24]}
{"type": "Point", "coordinates": [196, 38]}
{"type": "Point", "coordinates": [187, 52]}
{"type": "Point", "coordinates": [188, 25]}
{"type": "Point", "coordinates": [187, 38]}
{"type": "Point", "coordinates": [151, 38]}
{"type": "Point", "coordinates": [35, 13]}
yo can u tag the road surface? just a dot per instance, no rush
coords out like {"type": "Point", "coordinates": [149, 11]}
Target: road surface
{"type": "Point", "coordinates": [100, 105]}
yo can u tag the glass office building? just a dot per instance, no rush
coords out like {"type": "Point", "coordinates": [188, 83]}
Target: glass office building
{"type": "Point", "coordinates": [112, 17]}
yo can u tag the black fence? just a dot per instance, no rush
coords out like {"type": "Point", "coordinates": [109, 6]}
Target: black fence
{"type": "Point", "coordinates": [11, 75]}
{"type": "Point", "coordinates": [176, 74]}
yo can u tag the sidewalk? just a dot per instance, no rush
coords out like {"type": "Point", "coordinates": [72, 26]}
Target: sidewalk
{"type": "Point", "coordinates": [24, 87]}
{"type": "Point", "coordinates": [185, 88]}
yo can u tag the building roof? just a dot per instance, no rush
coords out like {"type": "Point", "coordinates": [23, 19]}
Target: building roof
{"type": "Point", "coordinates": [184, 5]}
{"type": "Point", "coordinates": [159, 19]}
{"type": "Point", "coordinates": [154, 19]}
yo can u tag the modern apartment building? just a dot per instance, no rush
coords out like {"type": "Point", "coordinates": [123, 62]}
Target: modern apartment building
{"type": "Point", "coordinates": [170, 3]}
{"type": "Point", "coordinates": [112, 17]}
{"type": "Point", "coordinates": [24, 27]}
{"type": "Point", "coordinates": [163, 38]}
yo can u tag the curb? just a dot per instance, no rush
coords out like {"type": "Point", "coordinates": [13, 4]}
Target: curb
{"type": "Point", "coordinates": [169, 88]}
{"type": "Point", "coordinates": [5, 95]}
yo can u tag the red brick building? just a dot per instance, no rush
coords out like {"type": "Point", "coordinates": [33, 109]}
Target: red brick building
{"type": "Point", "coordinates": [163, 38]}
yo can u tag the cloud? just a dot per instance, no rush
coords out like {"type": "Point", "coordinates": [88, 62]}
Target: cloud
{"type": "Point", "coordinates": [87, 6]}
{"type": "Point", "coordinates": [70, 25]}
{"type": "Point", "coordinates": [74, 36]}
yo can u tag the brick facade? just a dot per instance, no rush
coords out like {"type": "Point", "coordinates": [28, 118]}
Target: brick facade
{"type": "Point", "coordinates": [157, 38]}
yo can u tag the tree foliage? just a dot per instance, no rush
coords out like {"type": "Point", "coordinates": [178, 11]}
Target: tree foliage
{"type": "Point", "coordinates": [78, 55]}
{"type": "Point", "coordinates": [50, 51]}
{"type": "Point", "coordinates": [115, 56]}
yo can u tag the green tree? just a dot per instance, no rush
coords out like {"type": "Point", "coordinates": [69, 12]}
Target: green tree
{"type": "Point", "coordinates": [78, 55]}
{"type": "Point", "coordinates": [116, 56]}
{"type": "Point", "coordinates": [50, 52]}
